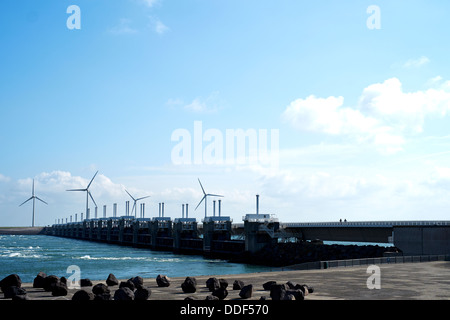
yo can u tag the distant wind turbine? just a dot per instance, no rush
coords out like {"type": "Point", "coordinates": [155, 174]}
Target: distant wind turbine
{"type": "Point", "coordinates": [205, 197]}
{"type": "Point", "coordinates": [88, 194]}
{"type": "Point", "coordinates": [135, 202]}
{"type": "Point", "coordinates": [33, 197]}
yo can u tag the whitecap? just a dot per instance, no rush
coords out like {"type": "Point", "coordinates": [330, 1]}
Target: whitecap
{"type": "Point", "coordinates": [22, 255]}
{"type": "Point", "coordinates": [14, 255]}
{"type": "Point", "coordinates": [88, 257]}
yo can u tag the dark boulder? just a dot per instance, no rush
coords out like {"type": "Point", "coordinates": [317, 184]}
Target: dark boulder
{"type": "Point", "coordinates": [238, 285]}
{"type": "Point", "coordinates": [138, 281]}
{"type": "Point", "coordinates": [288, 296]}
{"type": "Point", "coordinates": [189, 285]}
{"type": "Point", "coordinates": [162, 280]}
{"type": "Point", "coordinates": [59, 289]}
{"type": "Point", "coordinates": [278, 291]}
{"type": "Point", "coordinates": [211, 297]}
{"type": "Point", "coordinates": [20, 297]}
{"type": "Point", "coordinates": [310, 289]}
{"type": "Point", "coordinates": [267, 285]}
{"type": "Point", "coordinates": [103, 297]}
{"type": "Point", "coordinates": [298, 294]}
{"type": "Point", "coordinates": [85, 283]}
{"type": "Point", "coordinates": [129, 284]}
{"type": "Point", "coordinates": [220, 293]}
{"type": "Point", "coordinates": [100, 289]}
{"type": "Point", "coordinates": [306, 289]}
{"type": "Point", "coordinates": [212, 284]}
{"type": "Point", "coordinates": [49, 282]}
{"type": "Point", "coordinates": [13, 280]}
{"type": "Point", "coordinates": [112, 280]}
{"type": "Point", "coordinates": [291, 285]}
{"type": "Point", "coordinates": [11, 292]}
{"type": "Point", "coordinates": [124, 293]}
{"type": "Point", "coordinates": [82, 295]}
{"type": "Point", "coordinates": [142, 293]}
{"type": "Point", "coordinates": [223, 283]}
{"type": "Point", "coordinates": [246, 292]}
{"type": "Point", "coordinates": [38, 281]}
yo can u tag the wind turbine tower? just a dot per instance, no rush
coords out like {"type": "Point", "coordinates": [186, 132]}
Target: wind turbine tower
{"type": "Point", "coordinates": [33, 197]}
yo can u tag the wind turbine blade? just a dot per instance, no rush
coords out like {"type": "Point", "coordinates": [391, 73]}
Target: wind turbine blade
{"type": "Point", "coordinates": [90, 195]}
{"type": "Point", "coordinates": [130, 195]}
{"type": "Point", "coordinates": [26, 202]}
{"type": "Point", "coordinates": [200, 202]}
{"type": "Point", "coordinates": [77, 190]}
{"type": "Point", "coordinates": [215, 195]}
{"type": "Point", "coordinates": [201, 186]}
{"type": "Point", "coordinates": [41, 200]}
{"type": "Point", "coordinates": [134, 205]}
{"type": "Point", "coordinates": [33, 189]}
{"type": "Point", "coordinates": [91, 180]}
{"type": "Point", "coordinates": [142, 198]}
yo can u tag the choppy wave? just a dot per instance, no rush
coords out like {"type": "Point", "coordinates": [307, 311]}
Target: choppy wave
{"type": "Point", "coordinates": [88, 257]}
{"type": "Point", "coordinates": [149, 259]}
{"type": "Point", "coordinates": [21, 255]}
{"type": "Point", "coordinates": [28, 255]}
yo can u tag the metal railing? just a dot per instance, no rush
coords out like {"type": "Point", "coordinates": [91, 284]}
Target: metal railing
{"type": "Point", "coordinates": [366, 261]}
{"type": "Point", "coordinates": [372, 224]}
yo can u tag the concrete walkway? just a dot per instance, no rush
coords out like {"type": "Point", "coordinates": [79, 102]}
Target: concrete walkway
{"type": "Point", "coordinates": [426, 280]}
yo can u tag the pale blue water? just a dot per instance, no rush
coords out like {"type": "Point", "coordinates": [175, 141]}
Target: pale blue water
{"type": "Point", "coordinates": [28, 255]}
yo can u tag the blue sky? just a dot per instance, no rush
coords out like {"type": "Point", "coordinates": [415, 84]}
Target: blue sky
{"type": "Point", "coordinates": [362, 113]}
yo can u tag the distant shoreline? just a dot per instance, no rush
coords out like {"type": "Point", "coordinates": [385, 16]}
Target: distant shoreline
{"type": "Point", "coordinates": [22, 230]}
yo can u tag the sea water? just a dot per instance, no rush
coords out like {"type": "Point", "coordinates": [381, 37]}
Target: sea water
{"type": "Point", "coordinates": [28, 255]}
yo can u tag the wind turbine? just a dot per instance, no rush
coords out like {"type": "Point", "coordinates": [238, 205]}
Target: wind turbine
{"type": "Point", "coordinates": [135, 201]}
{"type": "Point", "coordinates": [88, 194]}
{"type": "Point", "coordinates": [33, 197]}
{"type": "Point", "coordinates": [205, 197]}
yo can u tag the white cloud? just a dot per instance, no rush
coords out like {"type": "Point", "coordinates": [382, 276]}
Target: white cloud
{"type": "Point", "coordinates": [210, 104]}
{"type": "Point", "coordinates": [160, 28]}
{"type": "Point", "coordinates": [155, 24]}
{"type": "Point", "coordinates": [124, 27]}
{"type": "Point", "coordinates": [385, 114]}
{"type": "Point", "coordinates": [293, 194]}
{"type": "Point", "coordinates": [4, 178]}
{"type": "Point", "coordinates": [434, 81]}
{"type": "Point", "coordinates": [149, 3]}
{"type": "Point", "coordinates": [416, 63]}
{"type": "Point", "coordinates": [404, 111]}
{"type": "Point", "coordinates": [197, 105]}
{"type": "Point", "coordinates": [439, 178]}
{"type": "Point", "coordinates": [51, 187]}
{"type": "Point", "coordinates": [327, 116]}
{"type": "Point", "coordinates": [60, 181]}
